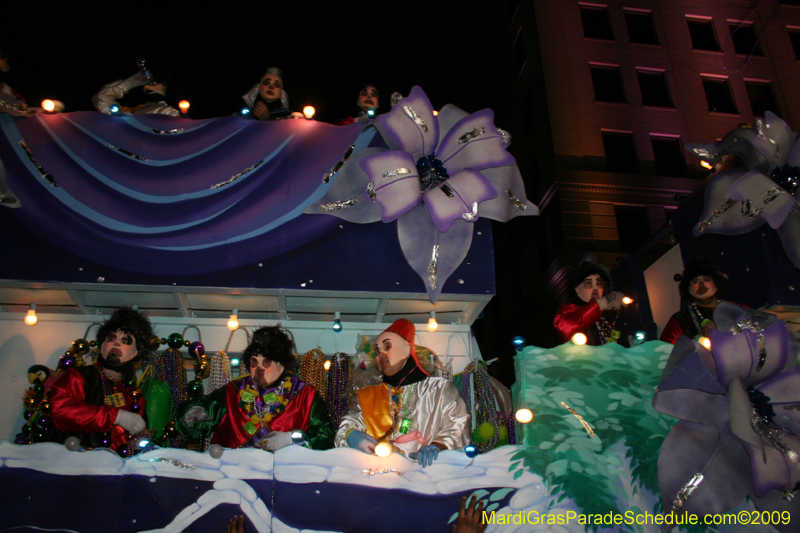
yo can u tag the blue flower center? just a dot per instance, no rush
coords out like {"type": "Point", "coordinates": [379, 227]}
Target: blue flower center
{"type": "Point", "coordinates": [787, 177]}
{"type": "Point", "coordinates": [760, 403]}
{"type": "Point", "coordinates": [431, 172]}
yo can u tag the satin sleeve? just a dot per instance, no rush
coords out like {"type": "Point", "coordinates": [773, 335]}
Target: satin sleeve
{"type": "Point", "coordinates": [354, 419]}
{"type": "Point", "coordinates": [446, 406]}
{"type": "Point", "coordinates": [572, 319]}
{"type": "Point", "coordinates": [672, 331]}
{"type": "Point", "coordinates": [70, 412]}
{"type": "Point", "coordinates": [109, 94]}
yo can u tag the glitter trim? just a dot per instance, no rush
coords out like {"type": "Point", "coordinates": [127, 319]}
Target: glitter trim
{"type": "Point", "coordinates": [748, 211]}
{"type": "Point", "coordinates": [6, 198]}
{"type": "Point", "coordinates": [14, 107]}
{"type": "Point", "coordinates": [373, 471]}
{"type": "Point", "coordinates": [505, 134]}
{"type": "Point", "coordinates": [514, 200]}
{"type": "Point", "coordinates": [747, 323]}
{"type": "Point", "coordinates": [169, 132]}
{"type": "Point", "coordinates": [131, 154]}
{"type": "Point", "coordinates": [342, 204]}
{"type": "Point", "coordinates": [718, 212]}
{"type": "Point", "coordinates": [772, 194]}
{"type": "Point", "coordinates": [396, 172]}
{"type": "Point", "coordinates": [788, 494]}
{"type": "Point", "coordinates": [473, 215]}
{"type": "Point", "coordinates": [583, 422]}
{"type": "Point", "coordinates": [173, 462]}
{"type": "Point", "coordinates": [371, 190]}
{"type": "Point", "coordinates": [447, 190]}
{"type": "Point", "coordinates": [236, 176]}
{"type": "Point", "coordinates": [395, 97]}
{"type": "Point", "coordinates": [417, 120]}
{"type": "Point", "coordinates": [432, 268]}
{"type": "Point", "coordinates": [686, 491]}
{"type": "Point", "coordinates": [470, 135]}
{"type": "Point", "coordinates": [42, 171]}
{"type": "Point", "coordinates": [761, 126]}
{"type": "Point", "coordinates": [328, 175]}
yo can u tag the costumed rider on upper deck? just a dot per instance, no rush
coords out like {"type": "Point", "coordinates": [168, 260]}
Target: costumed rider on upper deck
{"type": "Point", "coordinates": [591, 302]}
{"type": "Point", "coordinates": [414, 412]}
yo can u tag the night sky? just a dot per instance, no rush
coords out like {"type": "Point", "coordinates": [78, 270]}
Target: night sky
{"type": "Point", "coordinates": [214, 55]}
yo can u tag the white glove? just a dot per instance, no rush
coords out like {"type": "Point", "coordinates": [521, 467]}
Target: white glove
{"type": "Point", "coordinates": [278, 440]}
{"type": "Point", "coordinates": [131, 422]}
{"type": "Point", "coordinates": [195, 414]}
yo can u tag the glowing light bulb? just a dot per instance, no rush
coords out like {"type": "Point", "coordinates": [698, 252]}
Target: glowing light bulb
{"type": "Point", "coordinates": [524, 416]}
{"type": "Point", "coordinates": [627, 301]}
{"type": "Point", "coordinates": [579, 339]}
{"type": "Point", "coordinates": [244, 111]}
{"type": "Point", "coordinates": [326, 365]}
{"type": "Point", "coordinates": [383, 449]}
{"type": "Point", "coordinates": [48, 105]}
{"type": "Point", "coordinates": [235, 362]}
{"type": "Point", "coordinates": [309, 111]}
{"type": "Point", "coordinates": [114, 109]}
{"type": "Point", "coordinates": [31, 319]}
{"type": "Point", "coordinates": [233, 321]}
{"type": "Point", "coordinates": [471, 450]}
{"type": "Point", "coordinates": [371, 112]}
{"type": "Point", "coordinates": [519, 342]}
{"type": "Point", "coordinates": [705, 341]}
{"type": "Point", "coordinates": [640, 335]}
{"type": "Point", "coordinates": [706, 165]}
{"type": "Point", "coordinates": [435, 113]}
{"type": "Point", "coordinates": [184, 105]}
{"type": "Point", "coordinates": [337, 323]}
{"type": "Point", "coordinates": [433, 325]}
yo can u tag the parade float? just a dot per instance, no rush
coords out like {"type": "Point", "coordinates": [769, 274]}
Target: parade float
{"type": "Point", "coordinates": [328, 229]}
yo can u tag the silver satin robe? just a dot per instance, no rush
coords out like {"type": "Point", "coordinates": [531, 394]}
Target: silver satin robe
{"type": "Point", "coordinates": [440, 414]}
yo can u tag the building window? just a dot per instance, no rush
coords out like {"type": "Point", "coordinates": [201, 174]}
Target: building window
{"type": "Point", "coordinates": [718, 95]}
{"type": "Point", "coordinates": [794, 36]}
{"type": "Point", "coordinates": [703, 35]}
{"type": "Point", "coordinates": [668, 155]}
{"type": "Point", "coordinates": [640, 27]}
{"type": "Point", "coordinates": [607, 82]}
{"type": "Point", "coordinates": [596, 24]}
{"type": "Point", "coordinates": [633, 226]}
{"type": "Point", "coordinates": [761, 98]}
{"type": "Point", "coordinates": [744, 38]}
{"type": "Point", "coordinates": [620, 152]}
{"type": "Point", "coordinates": [653, 84]}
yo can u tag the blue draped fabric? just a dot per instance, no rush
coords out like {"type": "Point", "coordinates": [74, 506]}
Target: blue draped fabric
{"type": "Point", "coordinates": [162, 200]}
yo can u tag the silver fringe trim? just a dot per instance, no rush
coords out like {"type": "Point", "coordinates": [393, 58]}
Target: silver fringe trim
{"type": "Point", "coordinates": [417, 120]}
{"type": "Point", "coordinates": [516, 201]}
{"type": "Point", "coordinates": [505, 134]}
{"type": "Point", "coordinates": [6, 198]}
{"type": "Point", "coordinates": [371, 190]}
{"type": "Point", "coordinates": [328, 175]}
{"type": "Point", "coordinates": [748, 323]}
{"type": "Point", "coordinates": [342, 204]}
{"type": "Point", "coordinates": [748, 211]}
{"type": "Point", "coordinates": [788, 494]}
{"type": "Point", "coordinates": [131, 154]}
{"type": "Point", "coordinates": [470, 135]}
{"type": "Point", "coordinates": [169, 132]}
{"type": "Point", "coordinates": [772, 194]}
{"type": "Point", "coordinates": [373, 471]}
{"type": "Point", "coordinates": [686, 491]}
{"type": "Point", "coordinates": [42, 171]}
{"type": "Point", "coordinates": [173, 462]}
{"type": "Point", "coordinates": [718, 212]}
{"type": "Point", "coordinates": [761, 126]}
{"type": "Point", "coordinates": [14, 107]}
{"type": "Point", "coordinates": [472, 215]}
{"type": "Point", "coordinates": [402, 171]}
{"type": "Point", "coordinates": [772, 434]}
{"type": "Point", "coordinates": [583, 422]}
{"type": "Point", "coordinates": [236, 176]}
{"type": "Point", "coordinates": [394, 98]}
{"type": "Point", "coordinates": [447, 190]}
{"type": "Point", "coordinates": [432, 267]}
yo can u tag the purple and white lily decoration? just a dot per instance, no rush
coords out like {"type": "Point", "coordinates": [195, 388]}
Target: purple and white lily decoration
{"type": "Point", "coordinates": [760, 183]}
{"type": "Point", "coordinates": [739, 411]}
{"type": "Point", "coordinates": [438, 176]}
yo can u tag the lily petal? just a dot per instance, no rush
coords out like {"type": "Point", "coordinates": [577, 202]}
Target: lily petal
{"type": "Point", "coordinates": [474, 142]}
{"type": "Point", "coordinates": [510, 201]}
{"type": "Point", "coordinates": [738, 142]}
{"type": "Point", "coordinates": [690, 392]}
{"type": "Point", "coordinates": [411, 125]}
{"type": "Point", "coordinates": [692, 448]}
{"type": "Point", "coordinates": [771, 470]}
{"type": "Point", "coordinates": [345, 199]}
{"type": "Point", "coordinates": [772, 502]}
{"type": "Point", "coordinates": [432, 254]}
{"type": "Point", "coordinates": [774, 140]}
{"type": "Point", "coordinates": [448, 116]}
{"type": "Point", "coordinates": [772, 201]}
{"type": "Point", "coordinates": [394, 182]}
{"type": "Point", "coordinates": [738, 355]}
{"type": "Point", "coordinates": [731, 221]}
{"type": "Point", "coordinates": [458, 198]}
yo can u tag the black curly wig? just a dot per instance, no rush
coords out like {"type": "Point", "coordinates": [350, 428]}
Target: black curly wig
{"type": "Point", "coordinates": [274, 344]}
{"type": "Point", "coordinates": [130, 321]}
{"type": "Point", "coordinates": [702, 265]}
{"type": "Point", "coordinates": [579, 272]}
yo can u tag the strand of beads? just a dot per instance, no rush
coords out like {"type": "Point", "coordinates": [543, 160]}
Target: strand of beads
{"type": "Point", "coordinates": [221, 371]}
{"type": "Point", "coordinates": [487, 429]}
{"type": "Point", "coordinates": [169, 368]}
{"type": "Point", "coordinates": [338, 385]}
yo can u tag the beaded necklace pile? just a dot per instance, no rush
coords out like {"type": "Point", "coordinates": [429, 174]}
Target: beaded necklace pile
{"type": "Point", "coordinates": [263, 407]}
{"type": "Point", "coordinates": [111, 391]}
{"type": "Point", "coordinates": [606, 331]}
{"type": "Point", "coordinates": [697, 317]}
{"type": "Point", "coordinates": [400, 424]}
